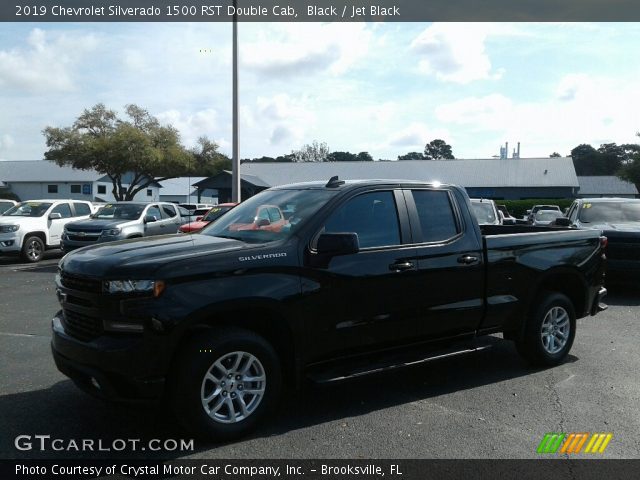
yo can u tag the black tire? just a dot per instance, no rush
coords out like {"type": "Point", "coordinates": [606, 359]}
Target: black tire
{"type": "Point", "coordinates": [187, 382]}
{"type": "Point", "coordinates": [532, 346]}
{"type": "Point", "coordinates": [33, 249]}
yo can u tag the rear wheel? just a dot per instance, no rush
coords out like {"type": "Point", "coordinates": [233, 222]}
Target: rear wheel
{"type": "Point", "coordinates": [33, 249]}
{"type": "Point", "coordinates": [550, 330]}
{"type": "Point", "coordinates": [225, 382]}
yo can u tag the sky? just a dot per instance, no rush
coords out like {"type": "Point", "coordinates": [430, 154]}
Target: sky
{"type": "Point", "coordinates": [384, 88]}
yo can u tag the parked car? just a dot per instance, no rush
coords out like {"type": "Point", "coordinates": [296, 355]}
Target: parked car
{"type": "Point", "coordinates": [485, 211]}
{"type": "Point", "coordinates": [507, 218]}
{"type": "Point", "coordinates": [189, 216]}
{"type": "Point", "coordinates": [121, 221]}
{"type": "Point", "coordinates": [196, 206]}
{"type": "Point", "coordinates": [545, 218]}
{"type": "Point", "coordinates": [266, 217]}
{"type": "Point", "coordinates": [209, 216]}
{"type": "Point", "coordinates": [531, 213]}
{"type": "Point", "coordinates": [6, 204]}
{"type": "Point", "coordinates": [619, 221]}
{"type": "Point", "coordinates": [31, 227]}
{"type": "Point", "coordinates": [368, 276]}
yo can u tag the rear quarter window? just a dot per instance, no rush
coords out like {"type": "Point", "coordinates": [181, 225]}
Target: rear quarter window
{"type": "Point", "coordinates": [438, 220]}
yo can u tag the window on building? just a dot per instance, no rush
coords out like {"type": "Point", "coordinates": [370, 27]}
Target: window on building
{"type": "Point", "coordinates": [52, 188]}
{"type": "Point", "coordinates": [102, 189]}
{"type": "Point", "coordinates": [149, 192]}
{"type": "Point", "coordinates": [76, 188]}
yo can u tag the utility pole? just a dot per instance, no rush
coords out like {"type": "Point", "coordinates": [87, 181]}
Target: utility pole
{"type": "Point", "coordinates": [235, 169]}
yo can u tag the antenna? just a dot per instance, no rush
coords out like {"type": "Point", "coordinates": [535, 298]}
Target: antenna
{"type": "Point", "coordinates": [334, 182]}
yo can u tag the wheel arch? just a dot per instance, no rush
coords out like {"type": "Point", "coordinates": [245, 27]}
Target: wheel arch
{"type": "Point", "coordinates": [264, 318]}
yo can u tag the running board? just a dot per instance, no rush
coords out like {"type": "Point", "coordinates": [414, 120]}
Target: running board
{"type": "Point", "coordinates": [343, 372]}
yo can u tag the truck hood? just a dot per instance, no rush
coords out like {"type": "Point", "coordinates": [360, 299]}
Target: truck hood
{"type": "Point", "coordinates": [95, 225]}
{"type": "Point", "coordinates": [143, 257]}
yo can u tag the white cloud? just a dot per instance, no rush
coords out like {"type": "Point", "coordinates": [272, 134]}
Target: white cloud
{"type": "Point", "coordinates": [46, 63]}
{"type": "Point", "coordinates": [592, 110]}
{"type": "Point", "coordinates": [289, 49]}
{"type": "Point", "coordinates": [455, 52]}
{"type": "Point", "coordinates": [191, 126]}
{"type": "Point", "coordinates": [414, 137]}
{"type": "Point", "coordinates": [6, 142]}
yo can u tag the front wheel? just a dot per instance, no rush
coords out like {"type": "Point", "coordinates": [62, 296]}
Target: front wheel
{"type": "Point", "coordinates": [33, 249]}
{"type": "Point", "coordinates": [550, 330]}
{"type": "Point", "coordinates": [224, 383]}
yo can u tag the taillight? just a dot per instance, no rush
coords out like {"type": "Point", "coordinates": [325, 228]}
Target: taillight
{"type": "Point", "coordinates": [604, 241]}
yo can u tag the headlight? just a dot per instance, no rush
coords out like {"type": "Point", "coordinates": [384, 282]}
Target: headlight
{"type": "Point", "coordinates": [134, 286]}
{"type": "Point", "coordinates": [111, 233]}
{"type": "Point", "coordinates": [9, 228]}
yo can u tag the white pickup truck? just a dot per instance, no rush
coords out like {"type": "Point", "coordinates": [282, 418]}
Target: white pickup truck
{"type": "Point", "coordinates": [31, 227]}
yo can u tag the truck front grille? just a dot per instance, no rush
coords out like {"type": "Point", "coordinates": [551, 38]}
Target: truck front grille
{"type": "Point", "coordinates": [82, 327]}
{"type": "Point", "coordinates": [82, 284]}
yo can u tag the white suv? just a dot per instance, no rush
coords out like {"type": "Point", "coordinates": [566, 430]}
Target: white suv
{"type": "Point", "coordinates": [32, 227]}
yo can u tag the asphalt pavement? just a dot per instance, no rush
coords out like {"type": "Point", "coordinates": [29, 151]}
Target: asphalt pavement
{"type": "Point", "coordinates": [486, 405]}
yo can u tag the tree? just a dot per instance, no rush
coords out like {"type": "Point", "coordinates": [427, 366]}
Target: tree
{"type": "Point", "coordinates": [555, 155]}
{"type": "Point", "coordinates": [133, 152]}
{"type": "Point", "coordinates": [207, 160]}
{"type": "Point", "coordinates": [364, 157]}
{"type": "Point", "coordinates": [411, 156]}
{"type": "Point", "coordinates": [630, 170]}
{"type": "Point", "coordinates": [341, 157]}
{"type": "Point", "coordinates": [438, 149]}
{"type": "Point", "coordinates": [313, 152]}
{"type": "Point", "coordinates": [606, 160]}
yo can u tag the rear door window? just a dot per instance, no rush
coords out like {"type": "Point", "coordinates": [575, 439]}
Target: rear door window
{"type": "Point", "coordinates": [81, 209]}
{"type": "Point", "coordinates": [169, 211]}
{"type": "Point", "coordinates": [438, 221]}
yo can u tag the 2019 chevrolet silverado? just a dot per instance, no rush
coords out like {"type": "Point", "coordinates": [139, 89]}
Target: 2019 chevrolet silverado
{"type": "Point", "coordinates": [362, 276]}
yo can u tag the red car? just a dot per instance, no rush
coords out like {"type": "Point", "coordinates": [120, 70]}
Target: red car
{"type": "Point", "coordinates": [268, 217]}
{"type": "Point", "coordinates": [201, 222]}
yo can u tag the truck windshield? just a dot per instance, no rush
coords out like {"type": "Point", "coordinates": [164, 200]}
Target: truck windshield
{"type": "Point", "coordinates": [270, 215]}
{"type": "Point", "coordinates": [28, 209]}
{"type": "Point", "coordinates": [215, 213]}
{"type": "Point", "coordinates": [610, 212]}
{"type": "Point", "coordinates": [120, 212]}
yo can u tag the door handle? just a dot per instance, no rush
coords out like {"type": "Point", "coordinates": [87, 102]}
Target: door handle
{"type": "Point", "coordinates": [467, 259]}
{"type": "Point", "coordinates": [401, 266]}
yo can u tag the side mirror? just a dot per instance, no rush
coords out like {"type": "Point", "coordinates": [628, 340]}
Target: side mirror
{"type": "Point", "coordinates": [263, 222]}
{"type": "Point", "coordinates": [338, 244]}
{"type": "Point", "coordinates": [55, 216]}
{"type": "Point", "coordinates": [563, 222]}
{"type": "Point", "coordinates": [150, 219]}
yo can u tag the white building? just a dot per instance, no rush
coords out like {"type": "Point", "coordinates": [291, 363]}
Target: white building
{"type": "Point", "coordinates": [182, 190]}
{"type": "Point", "coordinates": [34, 179]}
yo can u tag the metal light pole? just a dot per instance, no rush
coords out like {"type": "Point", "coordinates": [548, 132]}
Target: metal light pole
{"type": "Point", "coordinates": [235, 168]}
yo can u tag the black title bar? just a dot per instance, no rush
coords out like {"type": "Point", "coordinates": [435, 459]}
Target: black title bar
{"type": "Point", "coordinates": [318, 10]}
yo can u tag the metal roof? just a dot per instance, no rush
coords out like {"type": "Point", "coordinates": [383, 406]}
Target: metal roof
{"type": "Point", "coordinates": [526, 172]}
{"type": "Point", "coordinates": [43, 171]}
{"type": "Point", "coordinates": [606, 185]}
{"type": "Point", "coordinates": [180, 186]}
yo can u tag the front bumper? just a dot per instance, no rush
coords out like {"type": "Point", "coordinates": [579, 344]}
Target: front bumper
{"type": "Point", "coordinates": [111, 367]}
{"type": "Point", "coordinates": [10, 242]}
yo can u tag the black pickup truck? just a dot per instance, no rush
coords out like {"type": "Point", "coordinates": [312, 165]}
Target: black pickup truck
{"type": "Point", "coordinates": [359, 277]}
